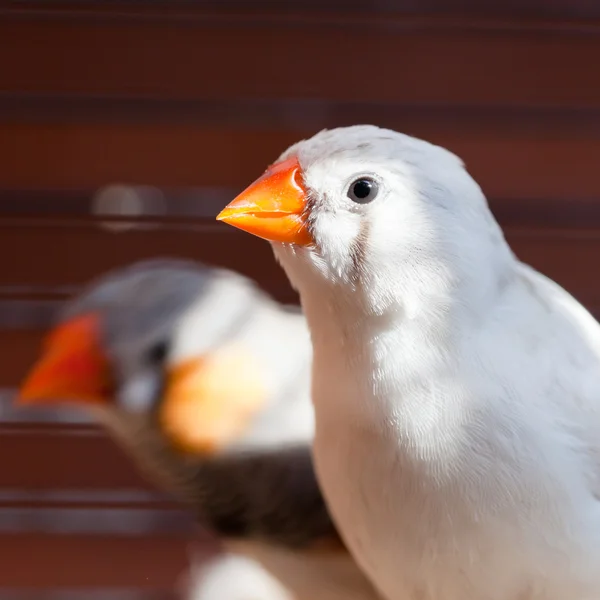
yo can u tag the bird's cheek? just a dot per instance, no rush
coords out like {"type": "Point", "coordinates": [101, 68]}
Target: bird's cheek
{"type": "Point", "coordinates": [210, 401]}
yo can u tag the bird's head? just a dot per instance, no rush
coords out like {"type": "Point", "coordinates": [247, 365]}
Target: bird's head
{"type": "Point", "coordinates": [394, 220]}
{"type": "Point", "coordinates": [157, 340]}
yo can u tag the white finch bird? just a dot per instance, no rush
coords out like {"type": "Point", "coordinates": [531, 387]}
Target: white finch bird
{"type": "Point", "coordinates": [456, 389]}
{"type": "Point", "coordinates": [205, 380]}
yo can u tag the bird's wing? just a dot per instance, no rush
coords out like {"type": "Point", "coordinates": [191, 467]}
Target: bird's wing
{"type": "Point", "coordinates": [562, 340]}
{"type": "Point", "coordinates": [264, 504]}
{"type": "Point", "coordinates": [270, 495]}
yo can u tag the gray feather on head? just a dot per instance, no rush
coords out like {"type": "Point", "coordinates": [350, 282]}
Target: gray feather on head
{"type": "Point", "coordinates": [142, 300]}
{"type": "Point", "coordinates": [140, 304]}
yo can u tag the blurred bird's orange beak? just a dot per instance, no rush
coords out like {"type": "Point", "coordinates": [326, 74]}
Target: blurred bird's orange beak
{"type": "Point", "coordinates": [203, 407]}
{"type": "Point", "coordinates": [72, 368]}
{"type": "Point", "coordinates": [273, 207]}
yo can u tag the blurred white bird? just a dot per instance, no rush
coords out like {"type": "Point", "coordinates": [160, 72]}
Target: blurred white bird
{"type": "Point", "coordinates": [230, 576]}
{"type": "Point", "coordinates": [456, 389]}
{"type": "Point", "coordinates": [204, 380]}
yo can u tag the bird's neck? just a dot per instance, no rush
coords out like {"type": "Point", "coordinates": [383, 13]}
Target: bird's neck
{"type": "Point", "coordinates": [369, 343]}
{"type": "Point", "coordinates": [367, 363]}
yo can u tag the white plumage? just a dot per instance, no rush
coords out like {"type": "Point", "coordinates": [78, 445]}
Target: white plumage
{"type": "Point", "coordinates": [232, 577]}
{"type": "Point", "coordinates": [456, 390]}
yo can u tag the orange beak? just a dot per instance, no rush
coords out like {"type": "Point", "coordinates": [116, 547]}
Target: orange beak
{"type": "Point", "coordinates": [204, 408]}
{"type": "Point", "coordinates": [273, 207]}
{"type": "Point", "coordinates": [72, 368]}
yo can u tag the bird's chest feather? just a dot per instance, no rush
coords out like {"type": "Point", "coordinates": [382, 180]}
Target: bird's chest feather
{"type": "Point", "coordinates": [420, 488]}
{"type": "Point", "coordinates": [358, 458]}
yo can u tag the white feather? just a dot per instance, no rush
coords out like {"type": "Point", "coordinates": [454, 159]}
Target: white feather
{"type": "Point", "coordinates": [456, 390]}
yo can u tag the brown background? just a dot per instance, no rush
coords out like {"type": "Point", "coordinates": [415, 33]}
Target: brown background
{"type": "Point", "coordinates": [186, 104]}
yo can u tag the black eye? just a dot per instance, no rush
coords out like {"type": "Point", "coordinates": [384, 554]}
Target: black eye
{"type": "Point", "coordinates": [363, 190]}
{"type": "Point", "coordinates": [158, 352]}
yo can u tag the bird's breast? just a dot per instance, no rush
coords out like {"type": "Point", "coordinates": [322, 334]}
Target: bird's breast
{"type": "Point", "coordinates": [428, 513]}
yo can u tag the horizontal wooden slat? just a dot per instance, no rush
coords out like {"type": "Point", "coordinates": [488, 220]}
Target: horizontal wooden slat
{"type": "Point", "coordinates": [73, 254]}
{"type": "Point", "coordinates": [77, 520]}
{"type": "Point", "coordinates": [296, 113]}
{"type": "Point", "coordinates": [55, 459]}
{"type": "Point", "coordinates": [38, 561]}
{"type": "Point", "coordinates": [84, 498]}
{"type": "Point", "coordinates": [18, 313]}
{"type": "Point", "coordinates": [391, 59]}
{"type": "Point", "coordinates": [158, 207]}
{"type": "Point", "coordinates": [544, 8]}
{"type": "Point", "coordinates": [14, 417]}
{"type": "Point", "coordinates": [88, 593]}
{"type": "Point", "coordinates": [507, 164]}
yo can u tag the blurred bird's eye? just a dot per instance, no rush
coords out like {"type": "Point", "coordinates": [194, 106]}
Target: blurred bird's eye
{"type": "Point", "coordinates": [363, 190]}
{"type": "Point", "coordinates": [158, 352]}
